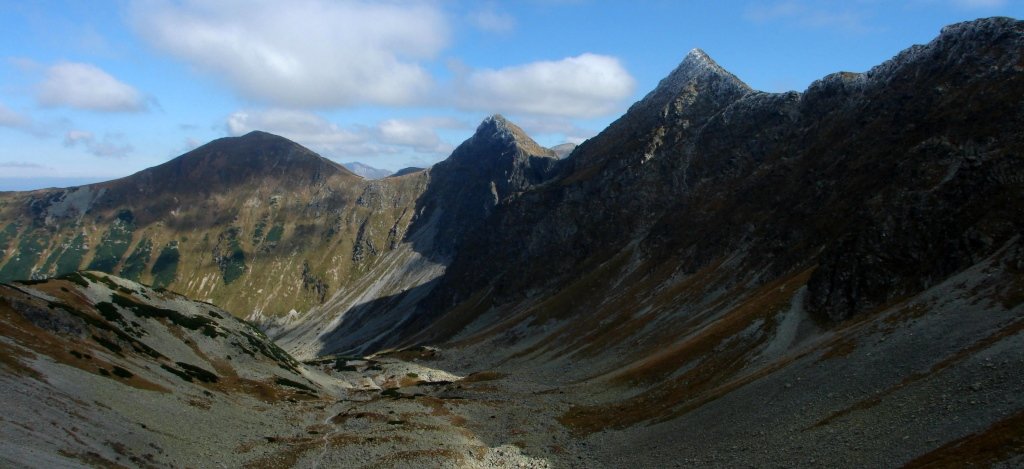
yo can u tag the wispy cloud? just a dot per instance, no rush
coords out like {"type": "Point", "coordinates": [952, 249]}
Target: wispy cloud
{"type": "Point", "coordinates": [10, 118]}
{"type": "Point", "coordinates": [979, 4]}
{"type": "Point", "coordinates": [588, 85]}
{"type": "Point", "coordinates": [490, 19]}
{"type": "Point", "coordinates": [21, 165]}
{"type": "Point", "coordinates": [819, 15]}
{"type": "Point", "coordinates": [19, 121]}
{"type": "Point", "coordinates": [303, 53]}
{"type": "Point", "coordinates": [107, 147]}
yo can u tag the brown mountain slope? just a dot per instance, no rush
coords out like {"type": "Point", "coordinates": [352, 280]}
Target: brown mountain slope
{"type": "Point", "coordinates": [256, 224]}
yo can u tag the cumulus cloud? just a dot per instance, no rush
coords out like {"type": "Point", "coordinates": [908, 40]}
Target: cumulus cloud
{"type": "Point", "coordinates": [392, 136]}
{"type": "Point", "coordinates": [107, 147]}
{"type": "Point", "coordinates": [588, 85]}
{"type": "Point", "coordinates": [303, 53]}
{"type": "Point", "coordinates": [491, 20]}
{"type": "Point", "coordinates": [85, 86]}
{"type": "Point", "coordinates": [418, 134]}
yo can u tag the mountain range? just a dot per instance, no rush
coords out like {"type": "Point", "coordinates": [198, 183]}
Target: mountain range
{"type": "Point", "coordinates": [722, 277]}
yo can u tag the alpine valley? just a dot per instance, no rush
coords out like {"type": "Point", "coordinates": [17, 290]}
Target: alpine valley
{"type": "Point", "coordinates": [722, 277]}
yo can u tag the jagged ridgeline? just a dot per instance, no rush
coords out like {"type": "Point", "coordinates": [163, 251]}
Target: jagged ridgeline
{"type": "Point", "coordinates": [255, 223]}
{"type": "Point", "coordinates": [261, 225]}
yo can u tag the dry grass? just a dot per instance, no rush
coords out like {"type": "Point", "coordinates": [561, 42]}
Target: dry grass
{"type": "Point", "coordinates": [28, 336]}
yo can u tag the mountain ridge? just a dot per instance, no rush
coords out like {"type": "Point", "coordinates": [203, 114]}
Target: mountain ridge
{"type": "Point", "coordinates": [833, 277]}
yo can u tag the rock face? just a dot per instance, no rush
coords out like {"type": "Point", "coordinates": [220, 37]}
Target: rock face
{"type": "Point", "coordinates": [497, 162]}
{"type": "Point", "coordinates": [887, 181]}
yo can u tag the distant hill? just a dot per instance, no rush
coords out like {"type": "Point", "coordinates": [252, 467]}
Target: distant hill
{"type": "Point", "coordinates": [366, 171]}
{"type": "Point", "coordinates": [404, 171]}
{"type": "Point", "coordinates": [236, 216]}
{"type": "Point", "coordinates": [563, 149]}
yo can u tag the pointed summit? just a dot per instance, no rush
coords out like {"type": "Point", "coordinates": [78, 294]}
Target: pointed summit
{"type": "Point", "coordinates": [496, 136]}
{"type": "Point", "coordinates": [497, 129]}
{"type": "Point", "coordinates": [498, 161]}
{"type": "Point", "coordinates": [700, 70]}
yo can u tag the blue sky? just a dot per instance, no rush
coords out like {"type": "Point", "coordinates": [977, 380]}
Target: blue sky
{"type": "Point", "coordinates": [93, 90]}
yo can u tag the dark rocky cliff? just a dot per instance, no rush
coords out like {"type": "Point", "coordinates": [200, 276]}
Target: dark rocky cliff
{"type": "Point", "coordinates": [886, 181]}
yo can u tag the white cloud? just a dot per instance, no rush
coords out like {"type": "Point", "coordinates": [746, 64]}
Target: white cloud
{"type": "Point", "coordinates": [15, 120]}
{"type": "Point", "coordinates": [491, 20]}
{"type": "Point", "coordinates": [105, 148]}
{"type": "Point", "coordinates": [389, 137]}
{"type": "Point", "coordinates": [557, 126]}
{"type": "Point", "coordinates": [818, 15]}
{"type": "Point", "coordinates": [303, 127]}
{"type": "Point", "coordinates": [588, 85]}
{"type": "Point", "coordinates": [85, 86]}
{"type": "Point", "coordinates": [303, 53]}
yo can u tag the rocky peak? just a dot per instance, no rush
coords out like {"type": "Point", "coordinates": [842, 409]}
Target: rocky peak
{"type": "Point", "coordinates": [699, 72]}
{"type": "Point", "coordinates": [696, 91]}
{"type": "Point", "coordinates": [992, 45]}
{"type": "Point", "coordinates": [499, 160]}
{"type": "Point", "coordinates": [497, 131]}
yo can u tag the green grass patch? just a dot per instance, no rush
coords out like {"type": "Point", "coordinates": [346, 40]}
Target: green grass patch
{"type": "Point", "coordinates": [195, 323]}
{"type": "Point", "coordinates": [275, 234]}
{"type": "Point", "coordinates": [165, 269]}
{"type": "Point", "coordinates": [137, 261]}
{"type": "Point", "coordinates": [109, 312]}
{"type": "Point", "coordinates": [293, 384]}
{"type": "Point", "coordinates": [114, 243]}
{"type": "Point", "coordinates": [230, 258]}
{"type": "Point", "coordinates": [7, 235]}
{"type": "Point", "coordinates": [259, 230]}
{"type": "Point", "coordinates": [71, 259]}
{"type": "Point", "coordinates": [20, 265]}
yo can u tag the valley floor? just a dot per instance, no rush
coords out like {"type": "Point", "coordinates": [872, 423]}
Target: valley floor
{"type": "Point", "coordinates": [426, 417]}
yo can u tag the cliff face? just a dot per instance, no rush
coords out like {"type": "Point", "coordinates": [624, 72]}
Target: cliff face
{"type": "Point", "coordinates": [884, 182]}
{"type": "Point", "coordinates": [497, 162]}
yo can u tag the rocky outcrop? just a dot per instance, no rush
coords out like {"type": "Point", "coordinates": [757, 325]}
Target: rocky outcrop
{"type": "Point", "coordinates": [886, 181]}
{"type": "Point", "coordinates": [497, 162]}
